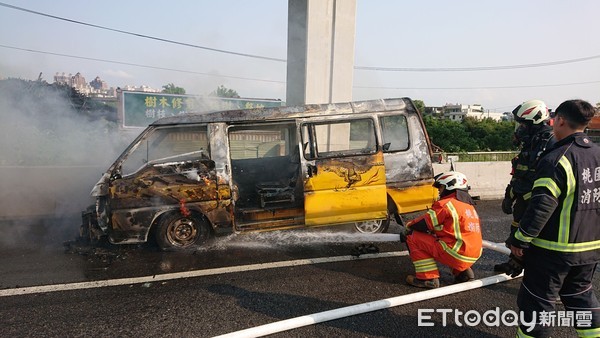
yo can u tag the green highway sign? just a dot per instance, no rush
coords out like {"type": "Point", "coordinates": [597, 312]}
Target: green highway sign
{"type": "Point", "coordinates": [139, 109]}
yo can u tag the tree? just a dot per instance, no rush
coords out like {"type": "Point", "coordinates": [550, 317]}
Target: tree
{"type": "Point", "coordinates": [172, 89]}
{"type": "Point", "coordinates": [470, 134]}
{"type": "Point", "coordinates": [489, 134]}
{"type": "Point", "coordinates": [420, 106]}
{"type": "Point", "coordinates": [449, 135]}
{"type": "Point", "coordinates": [221, 91]}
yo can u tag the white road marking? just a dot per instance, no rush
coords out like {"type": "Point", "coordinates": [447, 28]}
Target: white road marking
{"type": "Point", "coordinates": [189, 274]}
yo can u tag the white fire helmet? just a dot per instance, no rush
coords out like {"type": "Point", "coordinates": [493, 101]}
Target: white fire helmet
{"type": "Point", "coordinates": [535, 111]}
{"type": "Point", "coordinates": [451, 180]}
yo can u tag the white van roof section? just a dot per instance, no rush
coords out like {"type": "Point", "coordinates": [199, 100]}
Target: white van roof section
{"type": "Point", "coordinates": [279, 113]}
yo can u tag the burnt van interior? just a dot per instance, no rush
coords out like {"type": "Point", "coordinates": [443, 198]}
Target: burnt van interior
{"type": "Point", "coordinates": [265, 163]}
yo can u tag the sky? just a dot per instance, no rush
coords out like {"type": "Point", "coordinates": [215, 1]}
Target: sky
{"type": "Point", "coordinates": [424, 39]}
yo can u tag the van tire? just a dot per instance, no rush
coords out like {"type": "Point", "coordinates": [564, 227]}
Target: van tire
{"type": "Point", "coordinates": [177, 232]}
{"type": "Point", "coordinates": [374, 226]}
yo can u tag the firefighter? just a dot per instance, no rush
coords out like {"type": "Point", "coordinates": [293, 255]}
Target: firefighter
{"type": "Point", "coordinates": [448, 233]}
{"type": "Point", "coordinates": [558, 238]}
{"type": "Point", "coordinates": [533, 134]}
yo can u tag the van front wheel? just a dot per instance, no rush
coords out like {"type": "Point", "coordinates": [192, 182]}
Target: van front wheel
{"type": "Point", "coordinates": [373, 226]}
{"type": "Point", "coordinates": [176, 232]}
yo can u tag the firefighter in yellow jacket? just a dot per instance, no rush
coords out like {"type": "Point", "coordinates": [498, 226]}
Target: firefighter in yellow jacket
{"type": "Point", "coordinates": [449, 233]}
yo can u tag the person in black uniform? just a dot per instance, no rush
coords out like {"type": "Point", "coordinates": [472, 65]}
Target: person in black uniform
{"type": "Point", "coordinates": [558, 238]}
{"type": "Point", "coordinates": [533, 135]}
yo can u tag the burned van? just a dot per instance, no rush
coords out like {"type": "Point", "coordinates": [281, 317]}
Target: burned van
{"type": "Point", "coordinates": [190, 176]}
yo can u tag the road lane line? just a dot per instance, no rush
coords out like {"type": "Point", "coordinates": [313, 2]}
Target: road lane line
{"type": "Point", "coordinates": [189, 274]}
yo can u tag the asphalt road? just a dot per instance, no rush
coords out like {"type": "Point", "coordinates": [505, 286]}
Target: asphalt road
{"type": "Point", "coordinates": [231, 286]}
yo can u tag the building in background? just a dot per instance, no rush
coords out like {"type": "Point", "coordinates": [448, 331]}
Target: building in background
{"type": "Point", "coordinates": [76, 81]}
{"type": "Point", "coordinates": [61, 78]}
{"type": "Point", "coordinates": [96, 88]}
{"type": "Point", "coordinates": [435, 112]}
{"type": "Point", "coordinates": [458, 112]}
{"type": "Point", "coordinates": [98, 84]}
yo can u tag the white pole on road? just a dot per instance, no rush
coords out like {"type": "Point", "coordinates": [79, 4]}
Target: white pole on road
{"type": "Point", "coordinates": [320, 317]}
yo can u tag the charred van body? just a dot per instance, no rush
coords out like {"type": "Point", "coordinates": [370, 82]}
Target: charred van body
{"type": "Point", "coordinates": [187, 176]}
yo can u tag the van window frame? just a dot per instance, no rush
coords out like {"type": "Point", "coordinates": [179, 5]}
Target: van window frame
{"type": "Point", "coordinates": [382, 130]}
{"type": "Point", "coordinates": [288, 138]}
{"type": "Point", "coordinates": [309, 140]}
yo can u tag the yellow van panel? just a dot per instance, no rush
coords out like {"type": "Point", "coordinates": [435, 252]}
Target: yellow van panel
{"type": "Point", "coordinates": [340, 194]}
{"type": "Point", "coordinates": [332, 207]}
{"type": "Point", "coordinates": [415, 198]}
{"type": "Point", "coordinates": [343, 178]}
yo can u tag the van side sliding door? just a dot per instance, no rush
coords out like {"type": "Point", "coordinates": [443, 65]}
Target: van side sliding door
{"type": "Point", "coordinates": [344, 171]}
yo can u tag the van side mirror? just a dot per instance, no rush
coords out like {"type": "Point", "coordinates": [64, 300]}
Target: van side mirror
{"type": "Point", "coordinates": [386, 146]}
{"type": "Point", "coordinates": [116, 175]}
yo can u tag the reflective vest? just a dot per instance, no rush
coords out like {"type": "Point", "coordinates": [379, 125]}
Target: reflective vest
{"type": "Point", "coordinates": [456, 225]}
{"type": "Point", "coordinates": [564, 212]}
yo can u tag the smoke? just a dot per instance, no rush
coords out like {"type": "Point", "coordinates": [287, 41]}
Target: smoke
{"type": "Point", "coordinates": [54, 149]}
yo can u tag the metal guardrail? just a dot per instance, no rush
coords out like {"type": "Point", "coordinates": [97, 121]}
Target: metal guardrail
{"type": "Point", "coordinates": [481, 156]}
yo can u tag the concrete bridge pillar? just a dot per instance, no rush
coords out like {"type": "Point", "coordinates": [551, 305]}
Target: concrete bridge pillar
{"type": "Point", "coordinates": [320, 62]}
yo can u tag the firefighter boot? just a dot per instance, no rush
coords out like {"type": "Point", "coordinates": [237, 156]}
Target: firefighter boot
{"type": "Point", "coordinates": [423, 283]}
{"type": "Point", "coordinates": [464, 276]}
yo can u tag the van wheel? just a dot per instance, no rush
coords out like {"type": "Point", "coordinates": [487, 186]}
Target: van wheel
{"type": "Point", "coordinates": [176, 232]}
{"type": "Point", "coordinates": [374, 226]}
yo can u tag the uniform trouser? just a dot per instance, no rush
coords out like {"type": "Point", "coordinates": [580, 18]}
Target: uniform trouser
{"type": "Point", "coordinates": [425, 251]}
{"type": "Point", "coordinates": [519, 208]}
{"type": "Point", "coordinates": [545, 280]}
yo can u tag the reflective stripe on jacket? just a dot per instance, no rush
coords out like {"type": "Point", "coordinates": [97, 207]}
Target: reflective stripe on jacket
{"type": "Point", "coordinates": [564, 212]}
{"type": "Point", "coordinates": [456, 226]}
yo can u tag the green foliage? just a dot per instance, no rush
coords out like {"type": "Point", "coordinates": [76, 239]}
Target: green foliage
{"type": "Point", "coordinates": [449, 135]}
{"type": "Point", "coordinates": [172, 89]}
{"type": "Point", "coordinates": [420, 105]}
{"type": "Point", "coordinates": [222, 91]}
{"type": "Point", "coordinates": [470, 134]}
{"type": "Point", "coordinates": [491, 135]}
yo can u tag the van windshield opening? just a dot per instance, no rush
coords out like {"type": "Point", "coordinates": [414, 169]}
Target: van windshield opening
{"type": "Point", "coordinates": [167, 144]}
